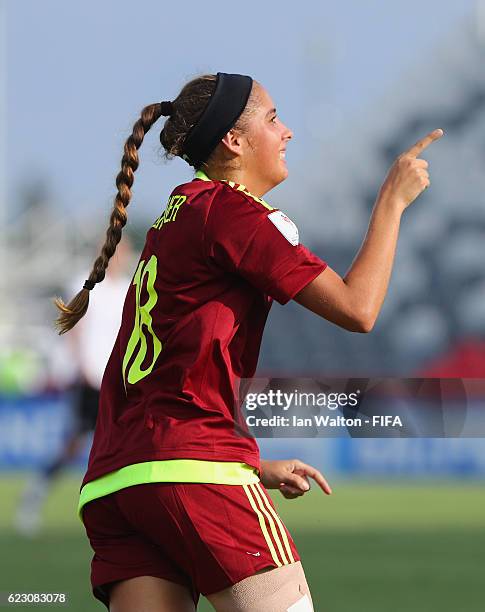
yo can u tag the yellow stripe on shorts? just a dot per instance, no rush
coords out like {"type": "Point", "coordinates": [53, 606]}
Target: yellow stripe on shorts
{"type": "Point", "coordinates": [258, 494]}
{"type": "Point", "coordinates": [278, 520]}
{"type": "Point", "coordinates": [262, 524]}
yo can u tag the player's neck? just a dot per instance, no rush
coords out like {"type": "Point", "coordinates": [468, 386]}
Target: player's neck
{"type": "Point", "coordinates": [240, 177]}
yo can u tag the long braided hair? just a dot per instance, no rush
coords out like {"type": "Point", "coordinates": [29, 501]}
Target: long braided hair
{"type": "Point", "coordinates": [187, 109]}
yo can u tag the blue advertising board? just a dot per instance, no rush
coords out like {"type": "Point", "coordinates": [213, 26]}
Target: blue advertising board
{"type": "Point", "coordinates": [33, 428]}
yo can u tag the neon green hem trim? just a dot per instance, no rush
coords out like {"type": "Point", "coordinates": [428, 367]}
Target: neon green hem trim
{"type": "Point", "coordinates": [170, 470]}
{"type": "Point", "coordinates": [200, 174]}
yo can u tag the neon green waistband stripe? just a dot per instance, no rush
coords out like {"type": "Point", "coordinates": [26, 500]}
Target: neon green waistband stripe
{"type": "Point", "coordinates": [170, 470]}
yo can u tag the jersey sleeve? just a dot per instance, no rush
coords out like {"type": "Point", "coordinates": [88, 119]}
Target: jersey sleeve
{"type": "Point", "coordinates": [260, 244]}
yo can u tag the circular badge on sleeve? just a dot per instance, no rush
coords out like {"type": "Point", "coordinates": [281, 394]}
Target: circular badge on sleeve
{"type": "Point", "coordinates": [285, 225]}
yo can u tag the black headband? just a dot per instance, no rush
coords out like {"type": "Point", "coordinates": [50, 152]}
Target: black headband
{"type": "Point", "coordinates": [221, 113]}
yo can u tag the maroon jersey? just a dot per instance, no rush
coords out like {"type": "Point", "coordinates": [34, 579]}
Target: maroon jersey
{"type": "Point", "coordinates": [191, 327]}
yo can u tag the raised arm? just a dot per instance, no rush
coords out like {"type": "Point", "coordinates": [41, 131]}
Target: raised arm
{"type": "Point", "coordinates": [354, 301]}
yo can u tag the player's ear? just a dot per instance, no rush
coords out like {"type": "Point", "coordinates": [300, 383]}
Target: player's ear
{"type": "Point", "coordinates": [233, 141]}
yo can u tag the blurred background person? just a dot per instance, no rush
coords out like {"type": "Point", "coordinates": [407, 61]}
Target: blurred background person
{"type": "Point", "coordinates": [90, 345]}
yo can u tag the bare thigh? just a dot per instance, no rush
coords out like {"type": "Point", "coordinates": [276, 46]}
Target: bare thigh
{"type": "Point", "coordinates": [275, 590]}
{"type": "Point", "coordinates": [150, 594]}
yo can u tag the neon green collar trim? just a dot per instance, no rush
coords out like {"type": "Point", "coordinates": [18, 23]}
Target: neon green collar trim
{"type": "Point", "coordinates": [200, 174]}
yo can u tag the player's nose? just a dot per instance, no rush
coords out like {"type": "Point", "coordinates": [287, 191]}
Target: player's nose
{"type": "Point", "coordinates": [287, 133]}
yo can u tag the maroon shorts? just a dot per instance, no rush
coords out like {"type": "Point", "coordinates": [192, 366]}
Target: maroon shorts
{"type": "Point", "coordinates": [204, 536]}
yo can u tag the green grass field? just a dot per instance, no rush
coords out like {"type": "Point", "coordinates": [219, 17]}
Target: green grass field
{"type": "Point", "coordinates": [400, 547]}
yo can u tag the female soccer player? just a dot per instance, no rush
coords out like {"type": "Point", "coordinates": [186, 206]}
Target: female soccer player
{"type": "Point", "coordinates": [199, 519]}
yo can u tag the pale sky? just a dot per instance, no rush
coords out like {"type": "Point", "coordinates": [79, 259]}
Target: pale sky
{"type": "Point", "coordinates": [78, 73]}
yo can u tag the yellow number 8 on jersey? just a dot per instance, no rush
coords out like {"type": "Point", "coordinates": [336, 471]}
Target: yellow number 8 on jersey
{"type": "Point", "coordinates": [138, 339]}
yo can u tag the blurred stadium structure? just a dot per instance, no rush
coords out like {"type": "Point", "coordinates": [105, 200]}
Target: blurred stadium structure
{"type": "Point", "coordinates": [437, 293]}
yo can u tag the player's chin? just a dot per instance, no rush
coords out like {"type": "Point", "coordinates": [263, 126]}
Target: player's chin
{"type": "Point", "coordinates": [277, 175]}
{"type": "Point", "coordinates": [281, 173]}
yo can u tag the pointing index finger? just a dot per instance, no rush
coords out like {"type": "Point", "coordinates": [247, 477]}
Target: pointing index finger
{"type": "Point", "coordinates": [421, 145]}
{"type": "Point", "coordinates": [315, 474]}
